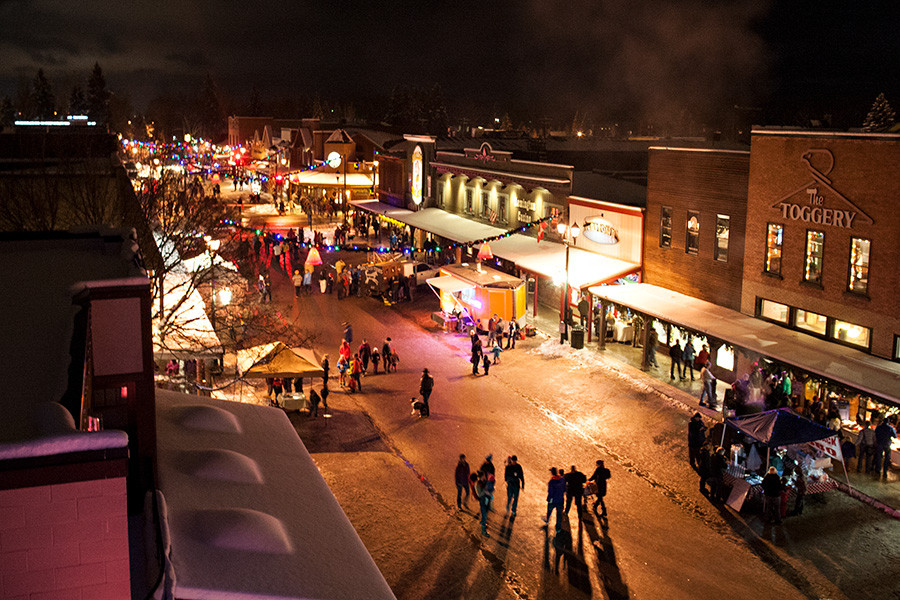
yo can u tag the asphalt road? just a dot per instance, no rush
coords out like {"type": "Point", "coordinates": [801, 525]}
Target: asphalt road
{"type": "Point", "coordinates": [393, 474]}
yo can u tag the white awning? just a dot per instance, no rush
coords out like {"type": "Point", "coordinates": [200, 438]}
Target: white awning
{"type": "Point", "coordinates": [449, 226]}
{"type": "Point", "coordinates": [854, 368]}
{"type": "Point", "coordinates": [449, 284]}
{"type": "Point", "coordinates": [380, 208]}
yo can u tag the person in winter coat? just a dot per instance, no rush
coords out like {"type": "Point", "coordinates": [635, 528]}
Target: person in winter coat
{"type": "Point", "coordinates": [480, 487]}
{"type": "Point", "coordinates": [461, 477]}
{"type": "Point", "coordinates": [771, 486]}
{"type": "Point", "coordinates": [575, 481]}
{"type": "Point", "coordinates": [487, 467]}
{"type": "Point", "coordinates": [297, 280]}
{"type": "Point", "coordinates": [496, 350]}
{"type": "Point", "coordinates": [704, 467]}
{"type": "Point", "coordinates": [556, 496]}
{"type": "Point", "coordinates": [696, 438]}
{"type": "Point", "coordinates": [344, 349]}
{"type": "Point", "coordinates": [675, 353]}
{"type": "Point", "coordinates": [426, 385]}
{"type": "Point", "coordinates": [600, 476]}
{"type": "Point", "coordinates": [365, 354]}
{"type": "Point", "coordinates": [476, 354]}
{"type": "Point", "coordinates": [687, 359]}
{"type": "Point", "coordinates": [515, 482]}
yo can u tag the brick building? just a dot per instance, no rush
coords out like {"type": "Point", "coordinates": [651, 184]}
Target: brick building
{"type": "Point", "coordinates": [822, 226]}
{"type": "Point", "coordinates": [696, 215]}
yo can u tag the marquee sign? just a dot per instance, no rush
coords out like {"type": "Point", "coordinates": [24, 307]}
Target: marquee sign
{"type": "Point", "coordinates": [416, 187]}
{"type": "Point", "coordinates": [807, 203]}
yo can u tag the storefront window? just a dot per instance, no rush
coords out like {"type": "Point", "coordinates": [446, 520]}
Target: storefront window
{"type": "Point", "coordinates": [773, 248]}
{"type": "Point", "coordinates": [725, 357]}
{"type": "Point", "coordinates": [692, 241]}
{"type": "Point", "coordinates": [774, 311]}
{"type": "Point", "coordinates": [665, 228]}
{"type": "Point", "coordinates": [470, 200]}
{"type": "Point", "coordinates": [723, 226]}
{"type": "Point", "coordinates": [815, 251]}
{"type": "Point", "coordinates": [485, 206]}
{"type": "Point", "coordinates": [811, 321]}
{"type": "Point", "coordinates": [852, 334]}
{"type": "Point", "coordinates": [859, 266]}
{"type": "Point", "coordinates": [501, 209]}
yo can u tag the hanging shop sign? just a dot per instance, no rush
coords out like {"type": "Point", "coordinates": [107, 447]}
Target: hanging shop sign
{"type": "Point", "coordinates": [599, 230]}
{"type": "Point", "coordinates": [807, 203]}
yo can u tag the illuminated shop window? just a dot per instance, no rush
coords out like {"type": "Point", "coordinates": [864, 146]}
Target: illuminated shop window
{"type": "Point", "coordinates": [501, 208]}
{"type": "Point", "coordinates": [725, 357]}
{"type": "Point", "coordinates": [774, 311]}
{"type": "Point", "coordinates": [774, 237]}
{"type": "Point", "coordinates": [692, 241]}
{"type": "Point", "coordinates": [811, 321]}
{"type": "Point", "coordinates": [859, 266]}
{"type": "Point", "coordinates": [815, 251]}
{"type": "Point", "coordinates": [851, 334]}
{"type": "Point", "coordinates": [485, 206]}
{"type": "Point", "coordinates": [723, 226]}
{"type": "Point", "coordinates": [470, 200]}
{"type": "Point", "coordinates": [665, 228]}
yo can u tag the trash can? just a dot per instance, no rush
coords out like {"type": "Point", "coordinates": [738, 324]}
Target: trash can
{"type": "Point", "coordinates": [577, 337]}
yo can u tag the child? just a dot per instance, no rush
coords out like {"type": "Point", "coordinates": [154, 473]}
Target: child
{"type": "Point", "coordinates": [486, 363]}
{"type": "Point", "coordinates": [376, 356]}
{"type": "Point", "coordinates": [342, 370]}
{"type": "Point", "coordinates": [496, 350]}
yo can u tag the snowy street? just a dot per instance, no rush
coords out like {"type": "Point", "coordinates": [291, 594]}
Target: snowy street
{"type": "Point", "coordinates": [393, 474]}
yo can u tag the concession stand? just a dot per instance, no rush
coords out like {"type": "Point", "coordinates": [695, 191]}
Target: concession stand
{"type": "Point", "coordinates": [277, 360]}
{"type": "Point", "coordinates": [792, 443]}
{"type": "Point", "coordinates": [474, 293]}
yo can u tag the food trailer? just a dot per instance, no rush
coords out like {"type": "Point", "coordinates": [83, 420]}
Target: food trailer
{"type": "Point", "coordinates": [475, 292]}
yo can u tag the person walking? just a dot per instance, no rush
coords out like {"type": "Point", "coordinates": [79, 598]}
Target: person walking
{"type": "Point", "coordinates": [866, 445]}
{"type": "Point", "coordinates": [496, 350]}
{"type": "Point", "coordinates": [480, 486]}
{"type": "Point", "coordinates": [365, 354]}
{"type": "Point", "coordinates": [515, 482]}
{"type": "Point", "coordinates": [687, 359]}
{"type": "Point", "coordinates": [675, 354]}
{"type": "Point", "coordinates": [426, 385]}
{"type": "Point", "coordinates": [556, 494]}
{"type": "Point", "coordinates": [326, 365]}
{"type": "Point", "coordinates": [386, 352]}
{"type": "Point", "coordinates": [356, 372]}
{"type": "Point", "coordinates": [297, 280]}
{"type": "Point", "coordinates": [600, 476]}
{"type": "Point", "coordinates": [575, 481]}
{"type": "Point", "coordinates": [771, 486]}
{"type": "Point", "coordinates": [376, 358]}
{"type": "Point", "coordinates": [708, 386]}
{"type": "Point", "coordinates": [476, 353]}
{"type": "Point", "coordinates": [487, 467]}
{"type": "Point", "coordinates": [486, 363]}
{"type": "Point", "coordinates": [461, 477]}
{"type": "Point", "coordinates": [696, 438]}
{"type": "Point", "coordinates": [884, 434]}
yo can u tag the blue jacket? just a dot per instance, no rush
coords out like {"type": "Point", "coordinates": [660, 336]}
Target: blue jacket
{"type": "Point", "coordinates": [556, 490]}
{"type": "Point", "coordinates": [884, 433]}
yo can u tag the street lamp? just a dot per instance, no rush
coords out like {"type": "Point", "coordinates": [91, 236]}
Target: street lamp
{"type": "Point", "coordinates": [567, 233]}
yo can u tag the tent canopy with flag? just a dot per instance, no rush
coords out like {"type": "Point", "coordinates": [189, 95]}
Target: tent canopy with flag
{"type": "Point", "coordinates": [277, 360]}
{"type": "Point", "coordinates": [780, 427]}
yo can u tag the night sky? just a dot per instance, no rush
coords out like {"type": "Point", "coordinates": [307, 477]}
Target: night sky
{"type": "Point", "coordinates": [609, 59]}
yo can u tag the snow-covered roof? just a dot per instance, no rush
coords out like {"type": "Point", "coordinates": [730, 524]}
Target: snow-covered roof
{"type": "Point", "coordinates": [851, 367]}
{"type": "Point", "coordinates": [39, 273]}
{"type": "Point", "coordinates": [248, 513]}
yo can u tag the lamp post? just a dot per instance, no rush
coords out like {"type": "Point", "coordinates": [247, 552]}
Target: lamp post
{"type": "Point", "coordinates": [567, 233]}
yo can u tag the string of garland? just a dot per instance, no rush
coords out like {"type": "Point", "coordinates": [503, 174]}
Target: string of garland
{"type": "Point", "coordinates": [351, 247]}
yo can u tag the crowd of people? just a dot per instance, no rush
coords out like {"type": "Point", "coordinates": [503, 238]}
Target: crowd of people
{"type": "Point", "coordinates": [500, 336]}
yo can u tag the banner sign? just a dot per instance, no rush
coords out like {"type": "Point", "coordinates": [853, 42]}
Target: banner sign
{"type": "Point", "coordinates": [830, 446]}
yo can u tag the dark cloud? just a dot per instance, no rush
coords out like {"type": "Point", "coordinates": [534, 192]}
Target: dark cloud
{"type": "Point", "coordinates": [678, 60]}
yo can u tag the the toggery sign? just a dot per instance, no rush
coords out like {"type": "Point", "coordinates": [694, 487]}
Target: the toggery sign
{"type": "Point", "coordinates": [807, 203]}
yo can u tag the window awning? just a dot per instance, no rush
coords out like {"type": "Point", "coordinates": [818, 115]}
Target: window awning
{"type": "Point", "coordinates": [449, 226]}
{"type": "Point", "coordinates": [449, 284]}
{"type": "Point", "coordinates": [380, 208]}
{"type": "Point", "coordinates": [854, 368]}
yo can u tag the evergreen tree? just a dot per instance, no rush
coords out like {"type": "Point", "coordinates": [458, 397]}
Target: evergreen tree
{"type": "Point", "coordinates": [77, 101]}
{"type": "Point", "coordinates": [7, 112]}
{"type": "Point", "coordinates": [97, 96]}
{"type": "Point", "coordinates": [881, 116]}
{"type": "Point", "coordinates": [211, 111]}
{"type": "Point", "coordinates": [44, 101]}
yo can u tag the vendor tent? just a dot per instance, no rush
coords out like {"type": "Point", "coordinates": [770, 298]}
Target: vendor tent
{"type": "Point", "coordinates": [277, 360]}
{"type": "Point", "coordinates": [780, 427]}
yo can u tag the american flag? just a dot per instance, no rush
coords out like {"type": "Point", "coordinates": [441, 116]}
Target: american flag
{"type": "Point", "coordinates": [493, 216]}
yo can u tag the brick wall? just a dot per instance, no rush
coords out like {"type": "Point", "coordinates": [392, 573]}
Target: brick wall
{"type": "Point", "coordinates": [65, 541]}
{"type": "Point", "coordinates": [862, 172]}
{"type": "Point", "coordinates": [711, 183]}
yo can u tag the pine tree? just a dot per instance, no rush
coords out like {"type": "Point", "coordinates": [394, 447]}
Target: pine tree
{"type": "Point", "coordinates": [77, 101]}
{"type": "Point", "coordinates": [211, 111]}
{"type": "Point", "coordinates": [7, 112]}
{"type": "Point", "coordinates": [97, 96]}
{"type": "Point", "coordinates": [44, 101]}
{"type": "Point", "coordinates": [881, 116]}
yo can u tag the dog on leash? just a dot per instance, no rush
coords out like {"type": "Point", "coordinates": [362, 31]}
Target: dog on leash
{"type": "Point", "coordinates": [417, 406]}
